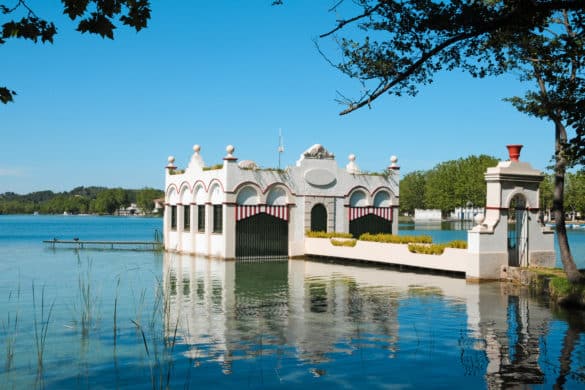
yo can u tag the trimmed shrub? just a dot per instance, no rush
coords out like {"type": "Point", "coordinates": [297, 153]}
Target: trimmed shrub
{"type": "Point", "coordinates": [312, 234]}
{"type": "Point", "coordinates": [394, 239]}
{"type": "Point", "coordinates": [457, 244]}
{"type": "Point", "coordinates": [436, 249]}
{"type": "Point", "coordinates": [349, 242]}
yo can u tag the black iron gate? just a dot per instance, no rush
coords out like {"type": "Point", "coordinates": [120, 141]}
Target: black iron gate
{"type": "Point", "coordinates": [262, 235]}
{"type": "Point", "coordinates": [369, 223]}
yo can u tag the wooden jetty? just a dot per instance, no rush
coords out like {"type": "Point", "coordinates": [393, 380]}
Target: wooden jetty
{"type": "Point", "coordinates": [105, 244]}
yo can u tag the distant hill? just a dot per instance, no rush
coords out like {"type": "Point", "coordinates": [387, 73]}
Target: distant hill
{"type": "Point", "coordinates": [80, 200]}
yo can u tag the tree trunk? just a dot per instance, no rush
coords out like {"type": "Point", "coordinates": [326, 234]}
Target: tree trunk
{"type": "Point", "coordinates": [569, 266]}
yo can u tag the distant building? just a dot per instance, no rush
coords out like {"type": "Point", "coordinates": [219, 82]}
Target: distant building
{"type": "Point", "coordinates": [159, 205]}
{"type": "Point", "coordinates": [466, 213]}
{"type": "Point", "coordinates": [238, 210]}
{"type": "Point", "coordinates": [133, 209]}
{"type": "Point", "coordinates": [431, 215]}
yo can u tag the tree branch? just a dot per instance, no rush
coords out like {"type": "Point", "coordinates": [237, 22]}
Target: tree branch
{"type": "Point", "coordinates": [409, 71]}
{"type": "Point", "coordinates": [343, 23]}
{"type": "Point", "coordinates": [507, 19]}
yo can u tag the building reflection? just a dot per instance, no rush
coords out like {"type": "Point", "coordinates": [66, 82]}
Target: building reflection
{"type": "Point", "coordinates": [227, 310]}
{"type": "Point", "coordinates": [224, 309]}
{"type": "Point", "coordinates": [512, 330]}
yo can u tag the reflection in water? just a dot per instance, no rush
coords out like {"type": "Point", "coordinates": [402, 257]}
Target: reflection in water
{"type": "Point", "coordinates": [513, 353]}
{"type": "Point", "coordinates": [236, 310]}
{"type": "Point", "coordinates": [281, 320]}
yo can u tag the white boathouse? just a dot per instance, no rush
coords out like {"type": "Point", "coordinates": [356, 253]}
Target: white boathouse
{"type": "Point", "coordinates": [237, 209]}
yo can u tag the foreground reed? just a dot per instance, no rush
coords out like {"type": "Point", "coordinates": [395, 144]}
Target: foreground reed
{"type": "Point", "coordinates": [10, 330]}
{"type": "Point", "coordinates": [40, 334]}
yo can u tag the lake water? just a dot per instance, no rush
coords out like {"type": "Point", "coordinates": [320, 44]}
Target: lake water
{"type": "Point", "coordinates": [139, 319]}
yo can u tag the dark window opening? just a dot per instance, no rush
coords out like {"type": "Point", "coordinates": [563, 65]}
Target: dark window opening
{"type": "Point", "coordinates": [319, 218]}
{"type": "Point", "coordinates": [217, 218]}
{"type": "Point", "coordinates": [173, 217]}
{"type": "Point", "coordinates": [201, 218]}
{"type": "Point", "coordinates": [187, 218]}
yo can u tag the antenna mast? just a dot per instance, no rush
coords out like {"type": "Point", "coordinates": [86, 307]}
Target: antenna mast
{"type": "Point", "coordinates": [280, 146]}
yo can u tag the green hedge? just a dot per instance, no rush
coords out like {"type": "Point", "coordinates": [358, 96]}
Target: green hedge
{"type": "Point", "coordinates": [416, 244]}
{"type": "Point", "coordinates": [393, 239]}
{"type": "Point", "coordinates": [312, 234]}
{"type": "Point", "coordinates": [436, 249]}
{"type": "Point", "coordinates": [350, 242]}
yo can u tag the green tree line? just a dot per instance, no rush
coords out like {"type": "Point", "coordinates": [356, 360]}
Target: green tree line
{"type": "Point", "coordinates": [80, 200]}
{"type": "Point", "coordinates": [454, 183]}
{"type": "Point", "coordinates": [448, 185]}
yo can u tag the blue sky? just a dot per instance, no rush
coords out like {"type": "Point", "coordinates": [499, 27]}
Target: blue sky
{"type": "Point", "coordinates": [91, 111]}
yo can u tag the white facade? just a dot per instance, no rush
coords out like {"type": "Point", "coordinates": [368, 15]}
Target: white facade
{"type": "Point", "coordinates": [214, 196]}
{"type": "Point", "coordinates": [495, 241]}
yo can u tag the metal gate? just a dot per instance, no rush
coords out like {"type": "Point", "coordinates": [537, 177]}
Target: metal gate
{"type": "Point", "coordinates": [370, 219]}
{"type": "Point", "coordinates": [262, 235]}
{"type": "Point", "coordinates": [518, 234]}
{"type": "Point", "coordinates": [369, 223]}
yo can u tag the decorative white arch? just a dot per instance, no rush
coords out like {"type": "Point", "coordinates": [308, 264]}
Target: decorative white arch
{"type": "Point", "coordinates": [200, 195]}
{"type": "Point", "coordinates": [172, 195]}
{"type": "Point", "coordinates": [247, 195]}
{"type": "Point", "coordinates": [382, 199]}
{"type": "Point", "coordinates": [215, 194]}
{"type": "Point", "coordinates": [277, 196]}
{"type": "Point", "coordinates": [186, 194]}
{"type": "Point", "coordinates": [358, 199]}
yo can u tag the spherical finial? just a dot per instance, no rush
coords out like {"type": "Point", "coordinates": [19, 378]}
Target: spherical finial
{"type": "Point", "coordinates": [479, 217]}
{"type": "Point", "coordinates": [196, 148]}
{"type": "Point", "coordinates": [230, 150]}
{"type": "Point", "coordinates": [351, 157]}
{"type": "Point", "coordinates": [393, 160]}
{"type": "Point", "coordinates": [171, 164]}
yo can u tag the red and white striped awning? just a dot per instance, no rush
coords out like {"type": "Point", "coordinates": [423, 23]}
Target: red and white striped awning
{"type": "Point", "coordinates": [243, 212]}
{"type": "Point", "coordinates": [382, 212]}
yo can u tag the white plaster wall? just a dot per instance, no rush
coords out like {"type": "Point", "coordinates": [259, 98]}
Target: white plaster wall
{"type": "Point", "coordinates": [304, 183]}
{"type": "Point", "coordinates": [229, 231]}
{"type": "Point", "coordinates": [217, 245]}
{"type": "Point", "coordinates": [173, 240]}
{"type": "Point", "coordinates": [455, 260]}
{"type": "Point", "coordinates": [187, 242]}
{"type": "Point", "coordinates": [201, 244]}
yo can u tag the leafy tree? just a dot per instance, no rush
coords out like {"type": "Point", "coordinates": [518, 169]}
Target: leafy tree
{"type": "Point", "coordinates": [92, 16]}
{"type": "Point", "coordinates": [145, 198]}
{"type": "Point", "coordinates": [80, 200]}
{"type": "Point", "coordinates": [575, 192]}
{"type": "Point", "coordinates": [412, 191]}
{"type": "Point", "coordinates": [404, 43]}
{"type": "Point", "coordinates": [454, 183]}
{"type": "Point", "coordinates": [110, 200]}
{"type": "Point", "coordinates": [546, 193]}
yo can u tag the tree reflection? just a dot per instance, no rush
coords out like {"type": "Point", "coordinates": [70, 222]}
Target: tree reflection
{"type": "Point", "coordinates": [316, 319]}
{"type": "Point", "coordinates": [575, 329]}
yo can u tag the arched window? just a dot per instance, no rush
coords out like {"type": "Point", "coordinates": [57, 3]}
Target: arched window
{"type": "Point", "coordinates": [358, 199]}
{"type": "Point", "coordinates": [276, 197]}
{"type": "Point", "coordinates": [247, 196]}
{"type": "Point", "coordinates": [382, 199]}
{"type": "Point", "coordinates": [319, 218]}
